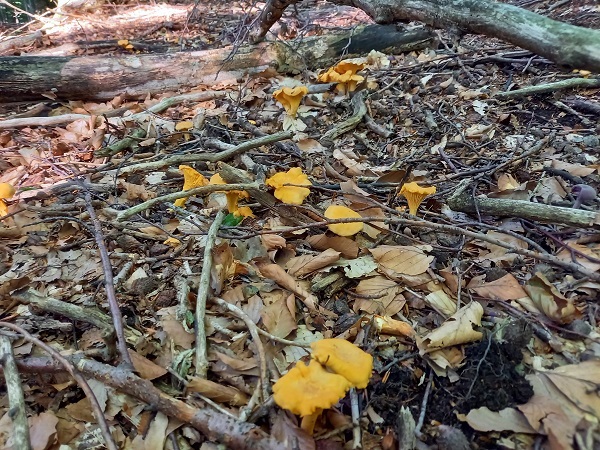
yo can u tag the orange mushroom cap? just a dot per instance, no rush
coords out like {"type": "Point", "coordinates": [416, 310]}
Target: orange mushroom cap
{"type": "Point", "coordinates": [232, 196]}
{"type": "Point", "coordinates": [415, 195]}
{"type": "Point", "coordinates": [191, 179]}
{"type": "Point", "coordinates": [290, 98]}
{"type": "Point", "coordinates": [343, 212]}
{"type": "Point", "coordinates": [306, 390]}
{"type": "Point", "coordinates": [345, 359]}
{"type": "Point", "coordinates": [294, 195]}
{"type": "Point", "coordinates": [7, 190]}
{"type": "Point", "coordinates": [344, 73]}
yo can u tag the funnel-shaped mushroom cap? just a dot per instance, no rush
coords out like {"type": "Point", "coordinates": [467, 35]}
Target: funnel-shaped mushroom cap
{"type": "Point", "coordinates": [290, 98]}
{"type": "Point", "coordinates": [415, 195]}
{"type": "Point", "coordinates": [343, 212]}
{"type": "Point", "coordinates": [305, 390]}
{"type": "Point", "coordinates": [345, 359]}
{"type": "Point", "coordinates": [294, 195]}
{"type": "Point", "coordinates": [7, 190]}
{"type": "Point", "coordinates": [191, 179]}
{"type": "Point", "coordinates": [344, 73]}
{"type": "Point", "coordinates": [232, 196]}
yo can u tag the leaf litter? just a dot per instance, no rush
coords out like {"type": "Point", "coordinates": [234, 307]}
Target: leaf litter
{"type": "Point", "coordinates": [466, 328]}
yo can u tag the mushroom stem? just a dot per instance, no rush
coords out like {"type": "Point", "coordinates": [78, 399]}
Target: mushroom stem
{"type": "Point", "coordinates": [308, 422]}
{"type": "Point", "coordinates": [232, 201]}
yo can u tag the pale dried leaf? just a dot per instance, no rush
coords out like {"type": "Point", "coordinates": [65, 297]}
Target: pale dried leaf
{"type": "Point", "coordinates": [278, 320]}
{"type": "Point", "coordinates": [406, 260]}
{"type": "Point", "coordinates": [505, 288]}
{"type": "Point", "coordinates": [508, 419]}
{"type": "Point", "coordinates": [549, 300]}
{"type": "Point", "coordinates": [346, 246]}
{"type": "Point", "coordinates": [458, 329]}
{"type": "Point", "coordinates": [217, 391]}
{"type": "Point", "coordinates": [306, 264]}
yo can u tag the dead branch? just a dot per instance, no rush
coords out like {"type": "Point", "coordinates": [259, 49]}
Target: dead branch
{"type": "Point", "coordinates": [571, 83]}
{"type": "Point", "coordinates": [460, 200]}
{"type": "Point", "coordinates": [81, 381]}
{"type": "Point", "coordinates": [109, 286]}
{"type": "Point", "coordinates": [210, 157]}
{"type": "Point", "coordinates": [215, 426]}
{"type": "Point", "coordinates": [16, 402]}
{"type": "Point", "coordinates": [203, 292]}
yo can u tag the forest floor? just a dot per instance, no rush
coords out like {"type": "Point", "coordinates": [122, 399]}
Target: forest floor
{"type": "Point", "coordinates": [482, 321]}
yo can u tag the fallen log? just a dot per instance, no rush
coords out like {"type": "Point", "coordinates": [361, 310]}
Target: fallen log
{"type": "Point", "coordinates": [135, 76]}
{"type": "Point", "coordinates": [564, 44]}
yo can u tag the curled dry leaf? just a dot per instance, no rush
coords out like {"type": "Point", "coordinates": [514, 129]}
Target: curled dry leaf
{"type": "Point", "coordinates": [305, 264]}
{"type": "Point", "coordinates": [549, 300]}
{"type": "Point", "coordinates": [285, 280]}
{"type": "Point", "coordinates": [217, 391]}
{"type": "Point", "coordinates": [456, 330]}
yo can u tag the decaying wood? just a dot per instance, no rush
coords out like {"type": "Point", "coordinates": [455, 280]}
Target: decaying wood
{"type": "Point", "coordinates": [16, 400]}
{"type": "Point", "coordinates": [562, 43]}
{"type": "Point", "coordinates": [104, 77]}
{"type": "Point", "coordinates": [462, 201]}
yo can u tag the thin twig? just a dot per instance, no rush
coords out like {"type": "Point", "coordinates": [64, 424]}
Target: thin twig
{"type": "Point", "coordinates": [356, 434]}
{"type": "Point", "coordinates": [253, 329]}
{"type": "Point", "coordinates": [421, 421]}
{"type": "Point", "coordinates": [203, 290]}
{"type": "Point", "coordinates": [109, 286]}
{"type": "Point", "coordinates": [16, 401]}
{"type": "Point", "coordinates": [126, 214]}
{"type": "Point", "coordinates": [83, 384]}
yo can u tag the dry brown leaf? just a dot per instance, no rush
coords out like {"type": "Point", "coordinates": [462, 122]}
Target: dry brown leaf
{"type": "Point", "coordinates": [177, 333]}
{"type": "Point", "coordinates": [505, 288]}
{"type": "Point", "coordinates": [145, 368]}
{"type": "Point", "coordinates": [81, 410]}
{"type": "Point", "coordinates": [406, 260]}
{"type": "Point", "coordinates": [306, 264]}
{"type": "Point", "coordinates": [223, 268]}
{"type": "Point", "coordinates": [549, 300]}
{"type": "Point", "coordinates": [285, 280]}
{"type": "Point", "coordinates": [241, 365]}
{"type": "Point", "coordinates": [42, 430]}
{"type": "Point", "coordinates": [441, 302]}
{"type": "Point", "coordinates": [378, 295]}
{"type": "Point", "coordinates": [154, 438]}
{"type": "Point", "coordinates": [273, 241]}
{"type": "Point", "coordinates": [346, 246]}
{"type": "Point", "coordinates": [508, 419]}
{"type": "Point", "coordinates": [500, 254]}
{"type": "Point", "coordinates": [573, 169]}
{"type": "Point", "coordinates": [592, 250]}
{"type": "Point", "coordinates": [278, 319]}
{"type": "Point", "coordinates": [458, 329]}
{"type": "Point", "coordinates": [217, 391]}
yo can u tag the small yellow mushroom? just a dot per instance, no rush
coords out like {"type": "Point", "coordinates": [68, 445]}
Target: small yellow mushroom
{"type": "Point", "coordinates": [232, 197]}
{"type": "Point", "coordinates": [294, 195]}
{"type": "Point", "coordinates": [415, 195]}
{"type": "Point", "coordinates": [308, 390]}
{"type": "Point", "coordinates": [7, 190]}
{"type": "Point", "coordinates": [345, 359]}
{"type": "Point", "coordinates": [343, 212]}
{"type": "Point", "coordinates": [344, 73]}
{"type": "Point", "coordinates": [191, 179]}
{"type": "Point", "coordinates": [290, 98]}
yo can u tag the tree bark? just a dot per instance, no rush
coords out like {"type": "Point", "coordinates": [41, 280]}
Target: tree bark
{"type": "Point", "coordinates": [135, 76]}
{"type": "Point", "coordinates": [565, 44]}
